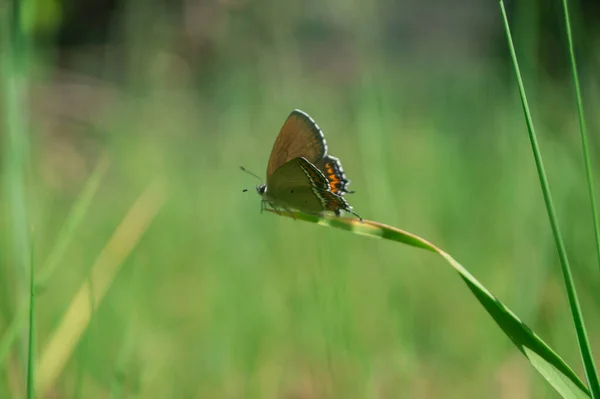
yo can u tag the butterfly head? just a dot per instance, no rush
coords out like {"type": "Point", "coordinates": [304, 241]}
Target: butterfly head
{"type": "Point", "coordinates": [261, 189]}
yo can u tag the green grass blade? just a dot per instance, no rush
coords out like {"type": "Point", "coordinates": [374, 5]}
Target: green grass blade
{"type": "Point", "coordinates": [13, 81]}
{"type": "Point", "coordinates": [582, 129]}
{"type": "Point", "coordinates": [584, 345]}
{"type": "Point", "coordinates": [31, 341]}
{"type": "Point", "coordinates": [76, 318]}
{"type": "Point", "coordinates": [547, 362]}
{"type": "Point", "coordinates": [72, 222]}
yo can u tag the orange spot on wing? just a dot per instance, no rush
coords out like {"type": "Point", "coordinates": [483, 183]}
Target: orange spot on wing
{"type": "Point", "coordinates": [332, 177]}
{"type": "Point", "coordinates": [333, 185]}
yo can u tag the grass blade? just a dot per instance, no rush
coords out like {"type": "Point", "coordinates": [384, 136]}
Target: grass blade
{"type": "Point", "coordinates": [77, 317]}
{"type": "Point", "coordinates": [547, 362]}
{"type": "Point", "coordinates": [31, 347]}
{"type": "Point", "coordinates": [582, 130]}
{"type": "Point", "coordinates": [64, 238]}
{"type": "Point", "coordinates": [584, 345]}
{"type": "Point", "coordinates": [14, 80]}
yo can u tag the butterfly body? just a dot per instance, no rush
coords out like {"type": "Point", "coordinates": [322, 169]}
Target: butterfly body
{"type": "Point", "coordinates": [301, 175]}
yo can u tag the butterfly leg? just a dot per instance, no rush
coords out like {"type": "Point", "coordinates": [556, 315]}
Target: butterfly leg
{"type": "Point", "coordinates": [263, 205]}
{"type": "Point", "coordinates": [275, 208]}
{"type": "Point", "coordinates": [338, 213]}
{"type": "Point", "coordinates": [356, 214]}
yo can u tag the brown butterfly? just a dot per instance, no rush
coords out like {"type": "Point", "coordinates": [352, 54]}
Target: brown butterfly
{"type": "Point", "coordinates": [301, 175]}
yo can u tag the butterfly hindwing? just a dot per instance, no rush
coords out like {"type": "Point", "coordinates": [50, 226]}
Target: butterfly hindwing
{"type": "Point", "coordinates": [300, 185]}
{"type": "Point", "coordinates": [300, 136]}
{"type": "Point", "coordinates": [332, 169]}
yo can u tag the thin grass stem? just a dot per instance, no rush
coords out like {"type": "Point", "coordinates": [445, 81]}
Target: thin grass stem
{"type": "Point", "coordinates": [31, 341]}
{"type": "Point", "coordinates": [583, 130]}
{"type": "Point", "coordinates": [13, 75]}
{"type": "Point", "coordinates": [584, 346]}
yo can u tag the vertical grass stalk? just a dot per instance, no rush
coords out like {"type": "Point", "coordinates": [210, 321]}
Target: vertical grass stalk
{"type": "Point", "coordinates": [31, 341]}
{"type": "Point", "coordinates": [73, 222]}
{"type": "Point", "coordinates": [14, 69]}
{"type": "Point", "coordinates": [582, 129]}
{"type": "Point", "coordinates": [584, 346]}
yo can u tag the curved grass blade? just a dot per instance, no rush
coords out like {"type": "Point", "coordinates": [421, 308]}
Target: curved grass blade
{"type": "Point", "coordinates": [547, 362]}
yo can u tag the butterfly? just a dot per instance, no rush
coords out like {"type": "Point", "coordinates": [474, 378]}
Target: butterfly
{"type": "Point", "coordinates": [301, 174]}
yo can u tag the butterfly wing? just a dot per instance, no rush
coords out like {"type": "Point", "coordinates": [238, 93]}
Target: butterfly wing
{"type": "Point", "coordinates": [301, 185]}
{"type": "Point", "coordinates": [299, 136]}
{"type": "Point", "coordinates": [332, 169]}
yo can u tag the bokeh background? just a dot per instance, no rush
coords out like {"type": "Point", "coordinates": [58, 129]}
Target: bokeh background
{"type": "Point", "coordinates": [418, 100]}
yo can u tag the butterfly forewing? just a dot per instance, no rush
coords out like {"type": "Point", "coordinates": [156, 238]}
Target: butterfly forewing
{"type": "Point", "coordinates": [300, 136]}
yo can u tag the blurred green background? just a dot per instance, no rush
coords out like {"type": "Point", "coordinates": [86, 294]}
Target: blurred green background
{"type": "Point", "coordinates": [216, 300]}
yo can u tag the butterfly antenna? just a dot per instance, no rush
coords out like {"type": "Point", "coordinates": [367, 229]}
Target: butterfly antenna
{"type": "Point", "coordinates": [250, 173]}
